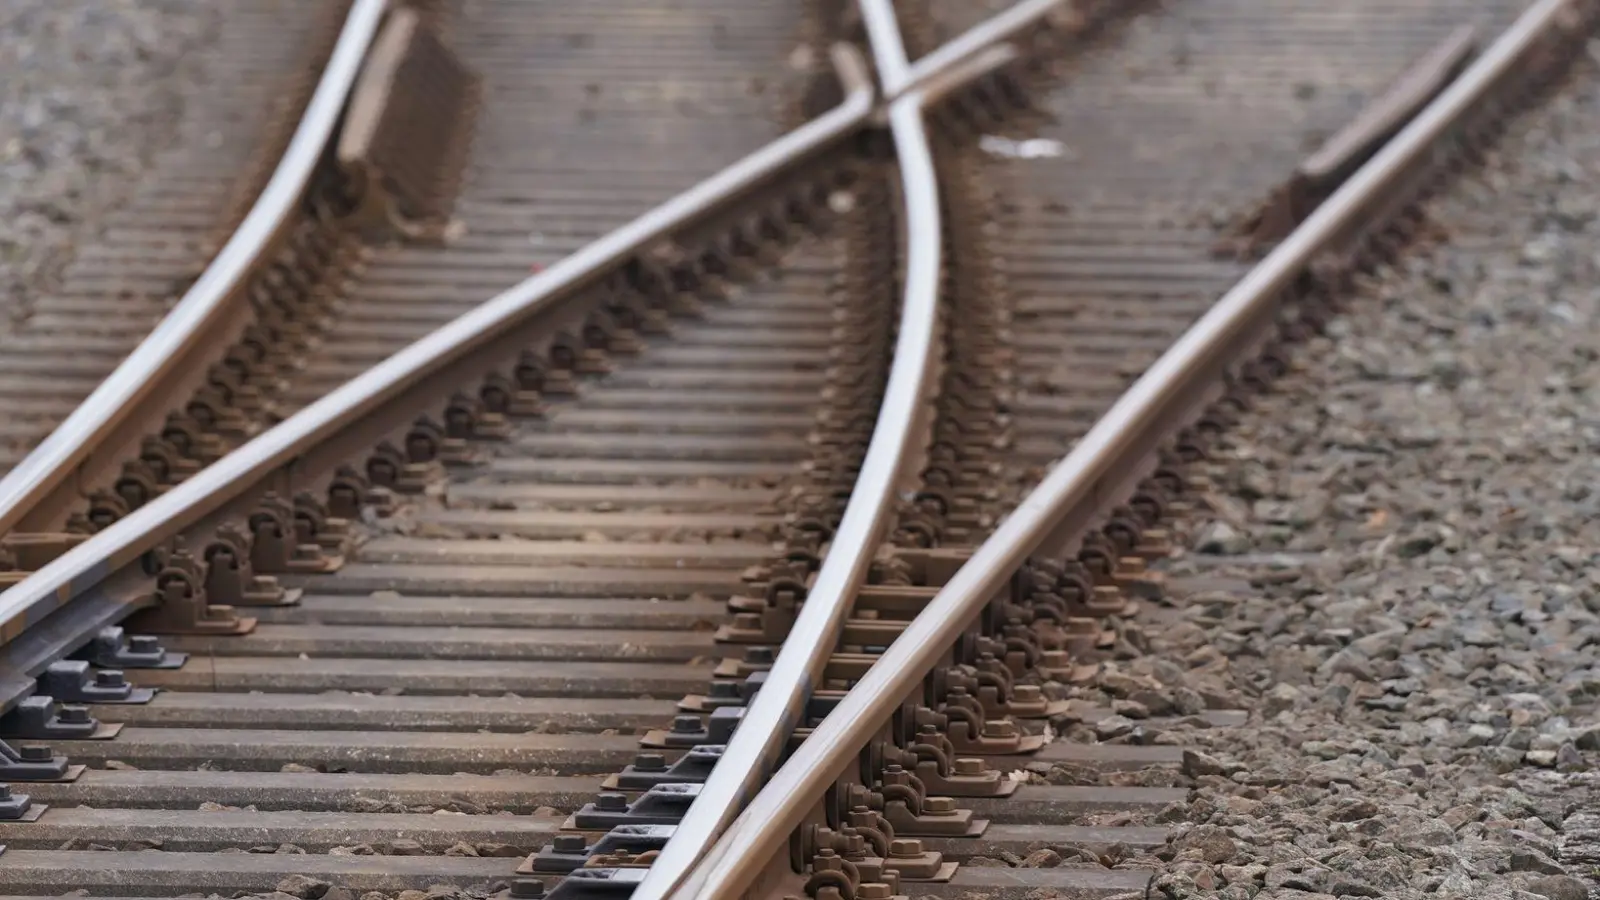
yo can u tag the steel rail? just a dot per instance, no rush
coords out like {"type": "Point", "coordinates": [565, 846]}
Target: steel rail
{"type": "Point", "coordinates": [776, 710]}
{"type": "Point", "coordinates": [182, 330]}
{"type": "Point", "coordinates": [980, 39]}
{"type": "Point", "coordinates": [1098, 471]}
{"type": "Point", "coordinates": [121, 544]}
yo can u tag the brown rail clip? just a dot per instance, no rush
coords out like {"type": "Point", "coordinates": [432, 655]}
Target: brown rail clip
{"type": "Point", "coordinates": [1348, 149]}
{"type": "Point", "coordinates": [407, 130]}
{"type": "Point", "coordinates": [23, 553]}
{"type": "Point", "coordinates": [179, 604]}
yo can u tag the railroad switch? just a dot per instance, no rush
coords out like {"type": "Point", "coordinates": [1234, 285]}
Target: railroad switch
{"type": "Point", "coordinates": [571, 852]}
{"type": "Point", "coordinates": [70, 681]}
{"type": "Point", "coordinates": [113, 648]}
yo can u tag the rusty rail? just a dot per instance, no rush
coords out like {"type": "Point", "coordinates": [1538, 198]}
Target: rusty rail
{"type": "Point", "coordinates": [1103, 467]}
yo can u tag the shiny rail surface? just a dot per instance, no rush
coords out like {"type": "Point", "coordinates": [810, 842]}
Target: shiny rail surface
{"type": "Point", "coordinates": [51, 464]}
{"type": "Point", "coordinates": [1101, 470]}
{"type": "Point", "coordinates": [771, 717]}
{"type": "Point", "coordinates": [81, 569]}
{"type": "Point", "coordinates": [861, 530]}
{"type": "Point", "coordinates": [707, 446]}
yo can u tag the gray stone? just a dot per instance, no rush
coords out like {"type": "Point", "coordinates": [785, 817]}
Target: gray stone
{"type": "Point", "coordinates": [1559, 887]}
{"type": "Point", "coordinates": [1502, 759]}
{"type": "Point", "coordinates": [1112, 727]}
{"type": "Point", "coordinates": [1196, 764]}
{"type": "Point", "coordinates": [1426, 834]}
{"type": "Point", "coordinates": [1354, 810]}
{"type": "Point", "coordinates": [304, 887]}
{"type": "Point", "coordinates": [1130, 709]}
{"type": "Point", "coordinates": [1042, 859]}
{"type": "Point", "coordinates": [1251, 874]}
{"type": "Point", "coordinates": [1345, 886]}
{"type": "Point", "coordinates": [1568, 759]}
{"type": "Point", "coordinates": [1543, 758]}
{"type": "Point", "coordinates": [1213, 844]}
{"type": "Point", "coordinates": [1519, 739]}
{"type": "Point", "coordinates": [1348, 662]}
{"type": "Point", "coordinates": [1221, 539]}
{"type": "Point", "coordinates": [1588, 739]}
{"type": "Point", "coordinates": [1527, 859]}
{"type": "Point", "coordinates": [1173, 886]}
{"type": "Point", "coordinates": [1457, 816]}
{"type": "Point", "coordinates": [1479, 734]}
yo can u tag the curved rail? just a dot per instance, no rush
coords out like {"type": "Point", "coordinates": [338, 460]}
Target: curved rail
{"type": "Point", "coordinates": [88, 564]}
{"type": "Point", "coordinates": [775, 711]}
{"type": "Point", "coordinates": [163, 351]}
{"type": "Point", "coordinates": [1098, 471]}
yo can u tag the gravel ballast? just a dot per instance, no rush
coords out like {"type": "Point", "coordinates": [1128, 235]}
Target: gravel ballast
{"type": "Point", "coordinates": [1402, 574]}
{"type": "Point", "coordinates": [90, 90]}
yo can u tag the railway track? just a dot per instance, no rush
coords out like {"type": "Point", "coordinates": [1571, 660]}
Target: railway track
{"type": "Point", "coordinates": [262, 67]}
{"type": "Point", "coordinates": [475, 577]}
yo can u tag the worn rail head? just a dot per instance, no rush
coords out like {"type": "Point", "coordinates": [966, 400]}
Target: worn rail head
{"type": "Point", "coordinates": [1099, 471]}
{"type": "Point", "coordinates": [55, 461]}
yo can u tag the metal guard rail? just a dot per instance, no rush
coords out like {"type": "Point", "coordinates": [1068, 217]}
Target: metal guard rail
{"type": "Point", "coordinates": [180, 331]}
{"type": "Point", "coordinates": [774, 712]}
{"type": "Point", "coordinates": [1102, 467]}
